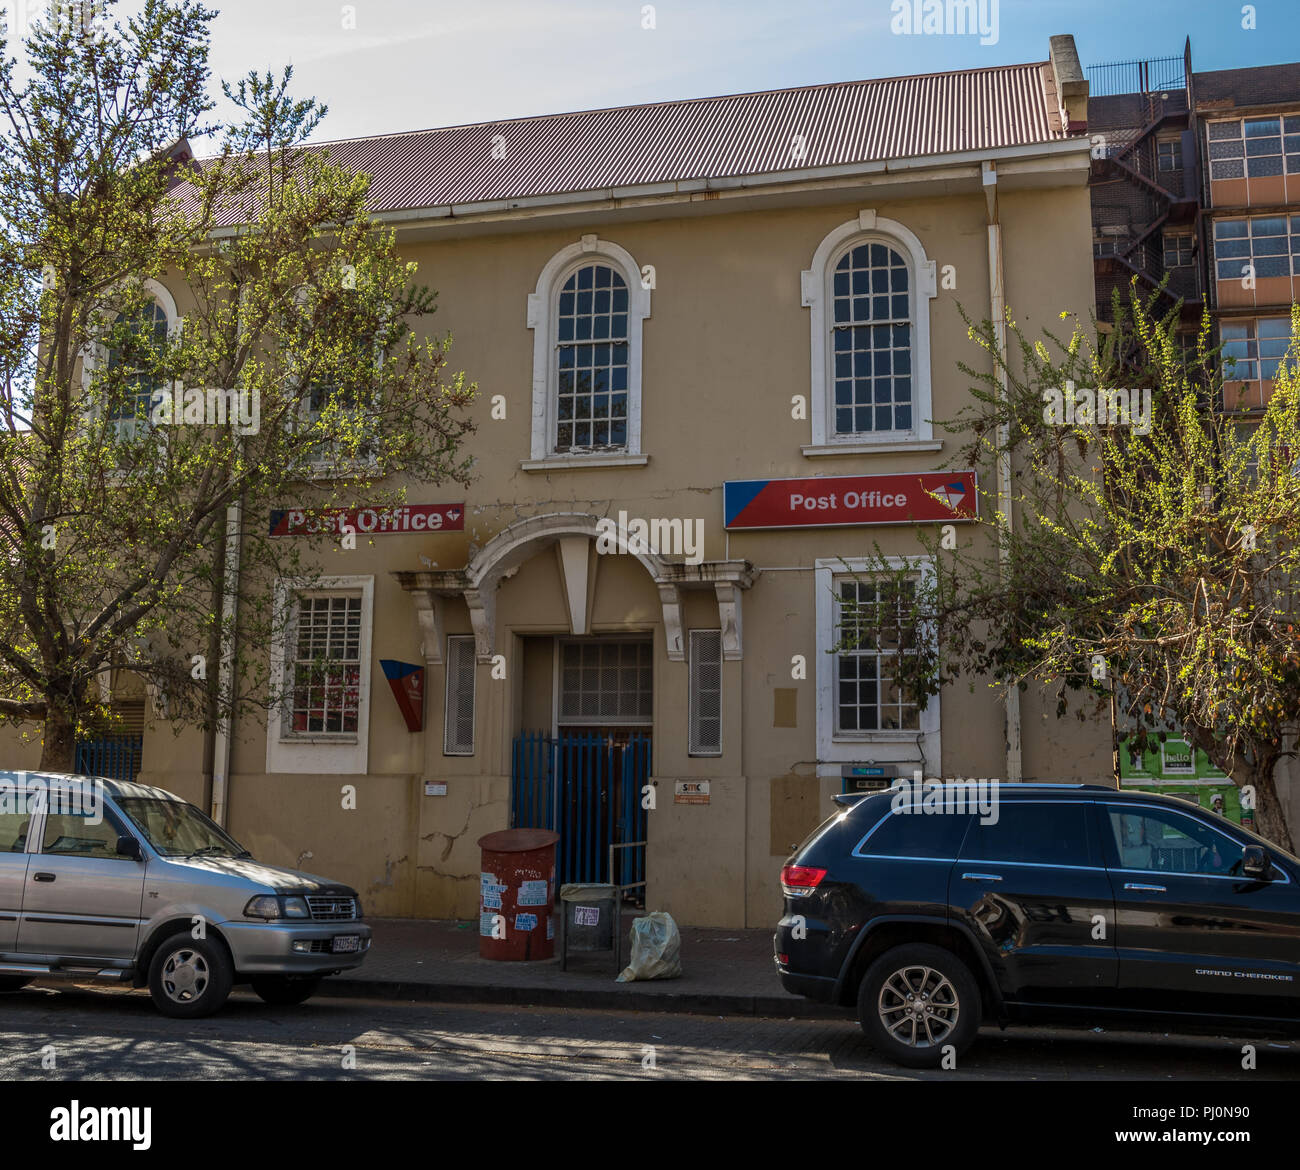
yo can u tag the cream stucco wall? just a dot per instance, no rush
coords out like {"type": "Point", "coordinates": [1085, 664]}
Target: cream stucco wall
{"type": "Point", "coordinates": [725, 348]}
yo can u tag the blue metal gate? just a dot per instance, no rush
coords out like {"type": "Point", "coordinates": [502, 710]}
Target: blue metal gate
{"type": "Point", "coordinates": [587, 787]}
{"type": "Point", "coordinates": [115, 757]}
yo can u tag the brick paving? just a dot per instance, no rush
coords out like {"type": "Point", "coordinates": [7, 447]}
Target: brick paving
{"type": "Point", "coordinates": [723, 971]}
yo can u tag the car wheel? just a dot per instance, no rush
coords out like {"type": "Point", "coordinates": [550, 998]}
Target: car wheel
{"type": "Point", "coordinates": [281, 991]}
{"type": "Point", "coordinates": [190, 977]}
{"type": "Point", "coordinates": [915, 1001]}
{"type": "Point", "coordinates": [13, 982]}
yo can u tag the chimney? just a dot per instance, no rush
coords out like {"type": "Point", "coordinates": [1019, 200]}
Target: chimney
{"type": "Point", "coordinates": [1071, 85]}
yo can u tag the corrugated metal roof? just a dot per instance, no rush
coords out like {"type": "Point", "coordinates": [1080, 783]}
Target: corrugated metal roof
{"type": "Point", "coordinates": [707, 138]}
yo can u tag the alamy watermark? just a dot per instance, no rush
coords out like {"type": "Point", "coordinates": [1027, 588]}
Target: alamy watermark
{"type": "Point", "coordinates": [945, 18]}
{"type": "Point", "coordinates": [242, 409]}
{"type": "Point", "coordinates": [87, 17]}
{"type": "Point", "coordinates": [675, 537]}
{"type": "Point", "coordinates": [935, 797]}
{"type": "Point", "coordinates": [29, 794]}
{"type": "Point", "coordinates": [1080, 406]}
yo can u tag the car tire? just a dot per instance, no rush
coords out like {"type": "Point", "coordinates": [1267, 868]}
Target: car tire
{"type": "Point", "coordinates": [13, 982]}
{"type": "Point", "coordinates": [946, 1012]}
{"type": "Point", "coordinates": [283, 991]}
{"type": "Point", "coordinates": [190, 977]}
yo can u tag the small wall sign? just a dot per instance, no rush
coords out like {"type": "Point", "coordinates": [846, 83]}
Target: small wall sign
{"type": "Point", "coordinates": [690, 792]}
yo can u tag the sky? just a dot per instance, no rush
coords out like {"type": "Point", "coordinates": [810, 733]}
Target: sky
{"type": "Point", "coordinates": [413, 64]}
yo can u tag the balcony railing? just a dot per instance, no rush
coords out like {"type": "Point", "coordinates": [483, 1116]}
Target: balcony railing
{"type": "Point", "coordinates": [1153, 75]}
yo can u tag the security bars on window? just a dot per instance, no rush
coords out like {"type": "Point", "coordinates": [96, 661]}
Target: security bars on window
{"type": "Point", "coordinates": [592, 356]}
{"type": "Point", "coordinates": [326, 665]}
{"type": "Point", "coordinates": [705, 699]}
{"type": "Point", "coordinates": [871, 341]}
{"type": "Point", "coordinates": [873, 628]}
{"type": "Point", "coordinates": [458, 721]}
{"type": "Point", "coordinates": [606, 682]}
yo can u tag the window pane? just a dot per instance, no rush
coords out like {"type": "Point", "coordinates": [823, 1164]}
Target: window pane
{"type": "Point", "coordinates": [1044, 834]}
{"type": "Point", "coordinates": [904, 834]}
{"type": "Point", "coordinates": [1166, 840]}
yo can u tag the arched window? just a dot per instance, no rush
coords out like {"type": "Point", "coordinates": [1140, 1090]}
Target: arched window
{"type": "Point", "coordinates": [871, 342]}
{"type": "Point", "coordinates": [148, 330]}
{"type": "Point", "coordinates": [591, 355]}
{"type": "Point", "coordinates": [586, 319]}
{"type": "Point", "coordinates": [869, 290]}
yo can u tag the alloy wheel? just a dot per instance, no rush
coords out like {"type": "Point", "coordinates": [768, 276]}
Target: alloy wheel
{"type": "Point", "coordinates": [918, 1006]}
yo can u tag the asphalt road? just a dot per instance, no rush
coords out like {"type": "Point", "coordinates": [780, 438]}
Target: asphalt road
{"type": "Point", "coordinates": [59, 1032]}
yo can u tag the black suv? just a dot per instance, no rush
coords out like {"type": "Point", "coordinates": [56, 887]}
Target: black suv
{"type": "Point", "coordinates": [1077, 902]}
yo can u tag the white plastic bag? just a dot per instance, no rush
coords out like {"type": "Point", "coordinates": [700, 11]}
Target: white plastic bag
{"type": "Point", "coordinates": [656, 949]}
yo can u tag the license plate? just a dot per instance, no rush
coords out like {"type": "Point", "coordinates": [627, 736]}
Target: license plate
{"type": "Point", "coordinates": [347, 942]}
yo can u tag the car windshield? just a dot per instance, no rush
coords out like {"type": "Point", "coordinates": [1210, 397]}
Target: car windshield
{"type": "Point", "coordinates": [177, 829]}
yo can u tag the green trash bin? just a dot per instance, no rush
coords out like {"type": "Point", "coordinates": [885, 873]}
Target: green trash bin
{"type": "Point", "coordinates": [591, 919]}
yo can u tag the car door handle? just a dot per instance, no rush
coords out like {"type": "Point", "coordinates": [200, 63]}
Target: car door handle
{"type": "Point", "coordinates": [981, 877]}
{"type": "Point", "coordinates": [1140, 886]}
{"type": "Point", "coordinates": [42, 877]}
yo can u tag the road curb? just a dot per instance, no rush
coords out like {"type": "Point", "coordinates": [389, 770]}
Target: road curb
{"type": "Point", "coordinates": [574, 997]}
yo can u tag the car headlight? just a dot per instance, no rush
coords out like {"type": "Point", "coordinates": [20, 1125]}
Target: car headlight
{"type": "Point", "coordinates": [272, 906]}
{"type": "Point", "coordinates": [264, 906]}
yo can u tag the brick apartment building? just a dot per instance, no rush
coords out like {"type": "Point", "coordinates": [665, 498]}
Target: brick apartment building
{"type": "Point", "coordinates": [1197, 176]}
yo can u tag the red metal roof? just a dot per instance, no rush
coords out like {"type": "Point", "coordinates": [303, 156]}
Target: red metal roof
{"type": "Point", "coordinates": [708, 138]}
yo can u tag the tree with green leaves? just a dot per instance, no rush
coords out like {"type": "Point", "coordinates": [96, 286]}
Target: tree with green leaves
{"type": "Point", "coordinates": [1149, 557]}
{"type": "Point", "coordinates": [137, 446]}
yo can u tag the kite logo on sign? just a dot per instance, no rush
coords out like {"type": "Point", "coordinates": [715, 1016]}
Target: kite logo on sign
{"type": "Point", "coordinates": [952, 494]}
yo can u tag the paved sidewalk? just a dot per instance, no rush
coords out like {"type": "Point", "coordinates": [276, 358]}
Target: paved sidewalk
{"type": "Point", "coordinates": [724, 972]}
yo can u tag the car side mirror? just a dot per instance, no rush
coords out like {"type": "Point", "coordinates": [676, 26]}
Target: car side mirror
{"type": "Point", "coordinates": [1255, 862]}
{"type": "Point", "coordinates": [129, 847]}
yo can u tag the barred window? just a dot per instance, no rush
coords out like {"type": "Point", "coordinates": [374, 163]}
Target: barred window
{"type": "Point", "coordinates": [704, 735]}
{"type": "Point", "coordinates": [871, 341]}
{"type": "Point", "coordinates": [874, 626]}
{"type": "Point", "coordinates": [605, 681]}
{"type": "Point", "coordinates": [1170, 154]}
{"type": "Point", "coordinates": [592, 360]}
{"type": "Point", "coordinates": [324, 695]}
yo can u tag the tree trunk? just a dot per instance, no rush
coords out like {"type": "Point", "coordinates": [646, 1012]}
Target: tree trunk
{"type": "Point", "coordinates": [1270, 817]}
{"type": "Point", "coordinates": [58, 749]}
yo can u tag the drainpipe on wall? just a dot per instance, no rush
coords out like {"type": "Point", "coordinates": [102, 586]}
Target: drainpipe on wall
{"type": "Point", "coordinates": [997, 307]}
{"type": "Point", "coordinates": [225, 675]}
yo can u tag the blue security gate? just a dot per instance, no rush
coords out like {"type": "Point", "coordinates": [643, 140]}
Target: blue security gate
{"type": "Point", "coordinates": [587, 787]}
{"type": "Point", "coordinates": [115, 757]}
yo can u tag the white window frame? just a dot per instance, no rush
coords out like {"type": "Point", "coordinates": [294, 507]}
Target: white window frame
{"type": "Point", "coordinates": [543, 306]}
{"type": "Point", "coordinates": [886, 746]}
{"type": "Point", "coordinates": [815, 283]}
{"type": "Point", "coordinates": [95, 353]}
{"type": "Point", "coordinates": [331, 754]}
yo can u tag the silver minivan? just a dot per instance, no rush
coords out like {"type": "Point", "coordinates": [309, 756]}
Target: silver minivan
{"type": "Point", "coordinates": [110, 880]}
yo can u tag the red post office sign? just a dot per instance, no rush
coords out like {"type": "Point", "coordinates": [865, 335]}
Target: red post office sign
{"type": "Point", "coordinates": [838, 501]}
{"type": "Point", "coordinates": [401, 519]}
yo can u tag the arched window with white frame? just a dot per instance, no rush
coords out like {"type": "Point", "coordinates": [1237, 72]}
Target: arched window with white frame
{"type": "Point", "coordinates": [152, 324]}
{"type": "Point", "coordinates": [586, 316]}
{"type": "Point", "coordinates": [869, 291]}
